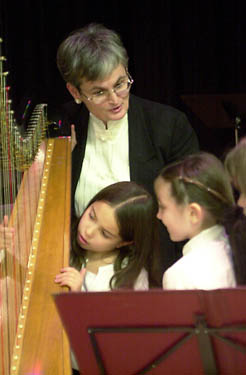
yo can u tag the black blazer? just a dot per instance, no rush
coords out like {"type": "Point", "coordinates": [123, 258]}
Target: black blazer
{"type": "Point", "coordinates": [158, 135]}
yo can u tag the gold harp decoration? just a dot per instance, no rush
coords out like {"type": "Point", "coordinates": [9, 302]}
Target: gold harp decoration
{"type": "Point", "coordinates": [35, 195]}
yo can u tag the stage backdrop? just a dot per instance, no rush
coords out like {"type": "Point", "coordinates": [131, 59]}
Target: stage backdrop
{"type": "Point", "coordinates": [175, 47]}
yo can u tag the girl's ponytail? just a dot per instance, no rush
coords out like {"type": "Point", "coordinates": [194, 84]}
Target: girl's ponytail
{"type": "Point", "coordinates": [235, 225]}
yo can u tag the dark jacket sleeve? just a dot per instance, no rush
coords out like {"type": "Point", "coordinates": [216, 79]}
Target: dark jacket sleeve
{"type": "Point", "coordinates": [158, 135]}
{"type": "Point", "coordinates": [169, 129]}
{"type": "Point", "coordinates": [182, 138]}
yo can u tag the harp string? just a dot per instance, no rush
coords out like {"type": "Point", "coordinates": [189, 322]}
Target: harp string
{"type": "Point", "coordinates": [20, 176]}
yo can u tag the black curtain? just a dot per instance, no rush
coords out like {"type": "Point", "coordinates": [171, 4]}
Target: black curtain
{"type": "Point", "coordinates": [175, 48]}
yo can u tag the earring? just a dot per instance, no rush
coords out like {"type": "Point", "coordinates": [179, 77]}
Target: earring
{"type": "Point", "coordinates": [77, 101]}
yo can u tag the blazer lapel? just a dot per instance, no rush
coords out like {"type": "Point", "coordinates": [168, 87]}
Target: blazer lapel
{"type": "Point", "coordinates": [141, 149]}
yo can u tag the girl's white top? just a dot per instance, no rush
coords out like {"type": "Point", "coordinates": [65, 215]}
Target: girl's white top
{"type": "Point", "coordinates": [206, 263]}
{"type": "Point", "coordinates": [100, 282]}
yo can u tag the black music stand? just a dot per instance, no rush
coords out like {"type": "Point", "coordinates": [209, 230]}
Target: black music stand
{"type": "Point", "coordinates": [157, 332]}
{"type": "Point", "coordinates": [217, 117]}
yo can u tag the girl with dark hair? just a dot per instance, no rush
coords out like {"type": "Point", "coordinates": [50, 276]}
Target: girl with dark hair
{"type": "Point", "coordinates": [115, 242]}
{"type": "Point", "coordinates": [196, 203]}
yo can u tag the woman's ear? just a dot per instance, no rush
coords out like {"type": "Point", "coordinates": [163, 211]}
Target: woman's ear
{"type": "Point", "coordinates": [74, 92]}
{"type": "Point", "coordinates": [124, 243]}
{"type": "Point", "coordinates": [196, 213]}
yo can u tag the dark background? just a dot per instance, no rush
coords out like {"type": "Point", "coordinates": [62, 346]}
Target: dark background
{"type": "Point", "coordinates": [176, 48]}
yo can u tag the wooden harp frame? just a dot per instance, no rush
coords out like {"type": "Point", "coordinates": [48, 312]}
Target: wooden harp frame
{"type": "Point", "coordinates": [32, 339]}
{"type": "Point", "coordinates": [41, 346]}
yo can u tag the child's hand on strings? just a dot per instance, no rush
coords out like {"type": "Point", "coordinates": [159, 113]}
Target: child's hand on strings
{"type": "Point", "coordinates": [72, 278]}
{"type": "Point", "coordinates": [6, 234]}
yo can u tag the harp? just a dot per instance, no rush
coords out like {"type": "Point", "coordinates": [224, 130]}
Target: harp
{"type": "Point", "coordinates": [35, 195]}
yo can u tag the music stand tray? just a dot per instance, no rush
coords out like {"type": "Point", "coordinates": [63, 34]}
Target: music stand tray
{"type": "Point", "coordinates": [156, 332]}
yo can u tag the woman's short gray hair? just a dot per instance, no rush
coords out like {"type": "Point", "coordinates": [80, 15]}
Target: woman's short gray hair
{"type": "Point", "coordinates": [92, 52]}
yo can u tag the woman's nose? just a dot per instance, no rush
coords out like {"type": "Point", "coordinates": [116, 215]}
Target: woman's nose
{"type": "Point", "coordinates": [112, 97]}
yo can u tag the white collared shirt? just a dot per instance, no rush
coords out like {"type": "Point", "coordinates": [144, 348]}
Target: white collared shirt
{"type": "Point", "coordinates": [206, 263]}
{"type": "Point", "coordinates": [106, 159]}
{"type": "Point", "coordinates": [100, 282]}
